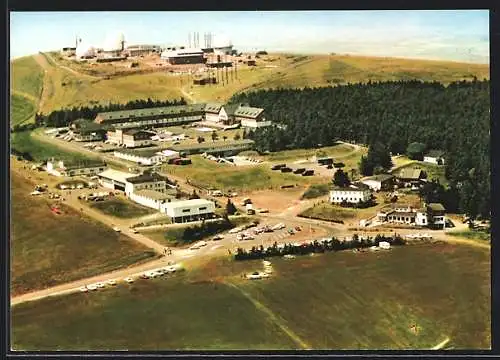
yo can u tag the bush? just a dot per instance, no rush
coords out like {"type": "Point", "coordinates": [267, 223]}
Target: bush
{"type": "Point", "coordinates": [315, 191]}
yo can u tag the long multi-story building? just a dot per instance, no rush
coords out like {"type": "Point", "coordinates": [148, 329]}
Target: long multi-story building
{"type": "Point", "coordinates": [222, 148]}
{"type": "Point", "coordinates": [152, 117]}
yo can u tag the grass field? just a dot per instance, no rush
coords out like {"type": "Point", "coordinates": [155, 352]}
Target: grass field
{"type": "Point", "coordinates": [27, 76]}
{"type": "Point", "coordinates": [471, 234]}
{"type": "Point", "coordinates": [21, 109]}
{"type": "Point", "coordinates": [39, 150]}
{"type": "Point", "coordinates": [209, 174]}
{"type": "Point", "coordinates": [123, 209]}
{"type": "Point", "coordinates": [49, 249]}
{"type": "Point", "coordinates": [309, 300]}
{"type": "Point", "coordinates": [338, 150]}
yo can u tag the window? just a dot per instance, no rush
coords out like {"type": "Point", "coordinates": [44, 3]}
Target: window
{"type": "Point", "coordinates": [203, 208]}
{"type": "Point", "coordinates": [186, 210]}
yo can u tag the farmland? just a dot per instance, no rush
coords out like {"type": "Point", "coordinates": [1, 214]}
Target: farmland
{"type": "Point", "coordinates": [49, 249]}
{"type": "Point", "coordinates": [308, 302]}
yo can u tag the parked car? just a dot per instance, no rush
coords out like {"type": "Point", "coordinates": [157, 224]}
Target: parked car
{"type": "Point", "coordinates": [129, 280]}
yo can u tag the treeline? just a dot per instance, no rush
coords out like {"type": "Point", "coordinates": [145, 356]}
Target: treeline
{"type": "Point", "coordinates": [332, 244]}
{"type": "Point", "coordinates": [63, 117]}
{"type": "Point", "coordinates": [453, 118]}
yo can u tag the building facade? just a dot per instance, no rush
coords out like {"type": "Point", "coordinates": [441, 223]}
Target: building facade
{"type": "Point", "coordinates": [435, 157]}
{"type": "Point", "coordinates": [152, 199]}
{"type": "Point", "coordinates": [189, 210]}
{"type": "Point", "coordinates": [225, 148]}
{"type": "Point", "coordinates": [382, 182]}
{"type": "Point", "coordinates": [354, 194]}
{"type": "Point", "coordinates": [77, 168]}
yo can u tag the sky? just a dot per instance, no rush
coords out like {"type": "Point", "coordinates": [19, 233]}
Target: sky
{"type": "Point", "coordinates": [457, 35]}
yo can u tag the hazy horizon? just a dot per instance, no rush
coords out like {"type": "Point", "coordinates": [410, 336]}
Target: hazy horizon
{"type": "Point", "coordinates": [452, 35]}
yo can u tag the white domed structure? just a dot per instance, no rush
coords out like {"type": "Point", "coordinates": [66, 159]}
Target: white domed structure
{"type": "Point", "coordinates": [114, 42]}
{"type": "Point", "coordinates": [222, 44]}
{"type": "Point", "coordinates": [84, 51]}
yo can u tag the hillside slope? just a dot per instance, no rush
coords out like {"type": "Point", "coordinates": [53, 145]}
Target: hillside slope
{"type": "Point", "coordinates": [65, 86]}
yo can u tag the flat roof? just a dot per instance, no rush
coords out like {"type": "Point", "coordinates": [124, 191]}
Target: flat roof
{"type": "Point", "coordinates": [139, 152]}
{"type": "Point", "coordinates": [138, 179]}
{"type": "Point", "coordinates": [116, 175]}
{"type": "Point", "coordinates": [208, 145]}
{"type": "Point", "coordinates": [189, 203]}
{"type": "Point", "coordinates": [155, 195]}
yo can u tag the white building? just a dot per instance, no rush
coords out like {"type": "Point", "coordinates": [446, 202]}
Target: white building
{"type": "Point", "coordinates": [131, 183]}
{"type": "Point", "coordinates": [151, 198]}
{"type": "Point", "coordinates": [114, 179]}
{"type": "Point", "coordinates": [353, 194]}
{"type": "Point", "coordinates": [379, 182]}
{"type": "Point", "coordinates": [434, 157]}
{"type": "Point", "coordinates": [254, 124]}
{"type": "Point", "coordinates": [65, 168]}
{"type": "Point", "coordinates": [189, 210]}
{"type": "Point", "coordinates": [146, 156]}
{"type": "Point", "coordinates": [147, 181]}
{"type": "Point", "coordinates": [130, 138]}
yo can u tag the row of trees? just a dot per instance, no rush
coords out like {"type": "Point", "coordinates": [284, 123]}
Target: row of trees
{"type": "Point", "coordinates": [316, 246]}
{"type": "Point", "coordinates": [389, 116]}
{"type": "Point", "coordinates": [64, 117]}
{"type": "Point", "coordinates": [198, 232]}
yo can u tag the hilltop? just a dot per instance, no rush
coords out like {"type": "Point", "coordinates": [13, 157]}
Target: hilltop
{"type": "Point", "coordinates": [45, 82]}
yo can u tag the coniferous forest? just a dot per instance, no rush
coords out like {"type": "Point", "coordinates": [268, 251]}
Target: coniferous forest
{"type": "Point", "coordinates": [453, 118]}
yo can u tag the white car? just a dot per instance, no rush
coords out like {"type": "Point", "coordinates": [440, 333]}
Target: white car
{"type": "Point", "coordinates": [100, 285]}
{"type": "Point", "coordinates": [129, 280]}
{"type": "Point", "coordinates": [111, 282]}
{"type": "Point", "coordinates": [266, 263]}
{"type": "Point", "coordinates": [116, 229]}
{"type": "Point", "coordinates": [84, 289]}
{"type": "Point", "coordinates": [92, 287]}
{"type": "Point", "coordinates": [289, 256]}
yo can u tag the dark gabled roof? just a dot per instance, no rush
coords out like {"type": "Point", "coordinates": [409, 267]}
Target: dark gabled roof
{"type": "Point", "coordinates": [411, 173]}
{"type": "Point", "coordinates": [249, 112]}
{"type": "Point", "coordinates": [436, 207]}
{"type": "Point", "coordinates": [143, 178]}
{"type": "Point", "coordinates": [137, 133]}
{"type": "Point", "coordinates": [230, 109]}
{"type": "Point", "coordinates": [435, 153]}
{"type": "Point", "coordinates": [353, 188]}
{"type": "Point", "coordinates": [84, 125]}
{"type": "Point", "coordinates": [139, 113]}
{"type": "Point", "coordinates": [82, 164]}
{"type": "Point", "coordinates": [380, 177]}
{"type": "Point", "coordinates": [213, 108]}
{"type": "Point", "coordinates": [403, 213]}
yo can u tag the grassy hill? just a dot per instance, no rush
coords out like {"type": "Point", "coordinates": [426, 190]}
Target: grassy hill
{"type": "Point", "coordinates": [67, 84]}
{"type": "Point", "coordinates": [26, 88]}
{"type": "Point", "coordinates": [21, 109]}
